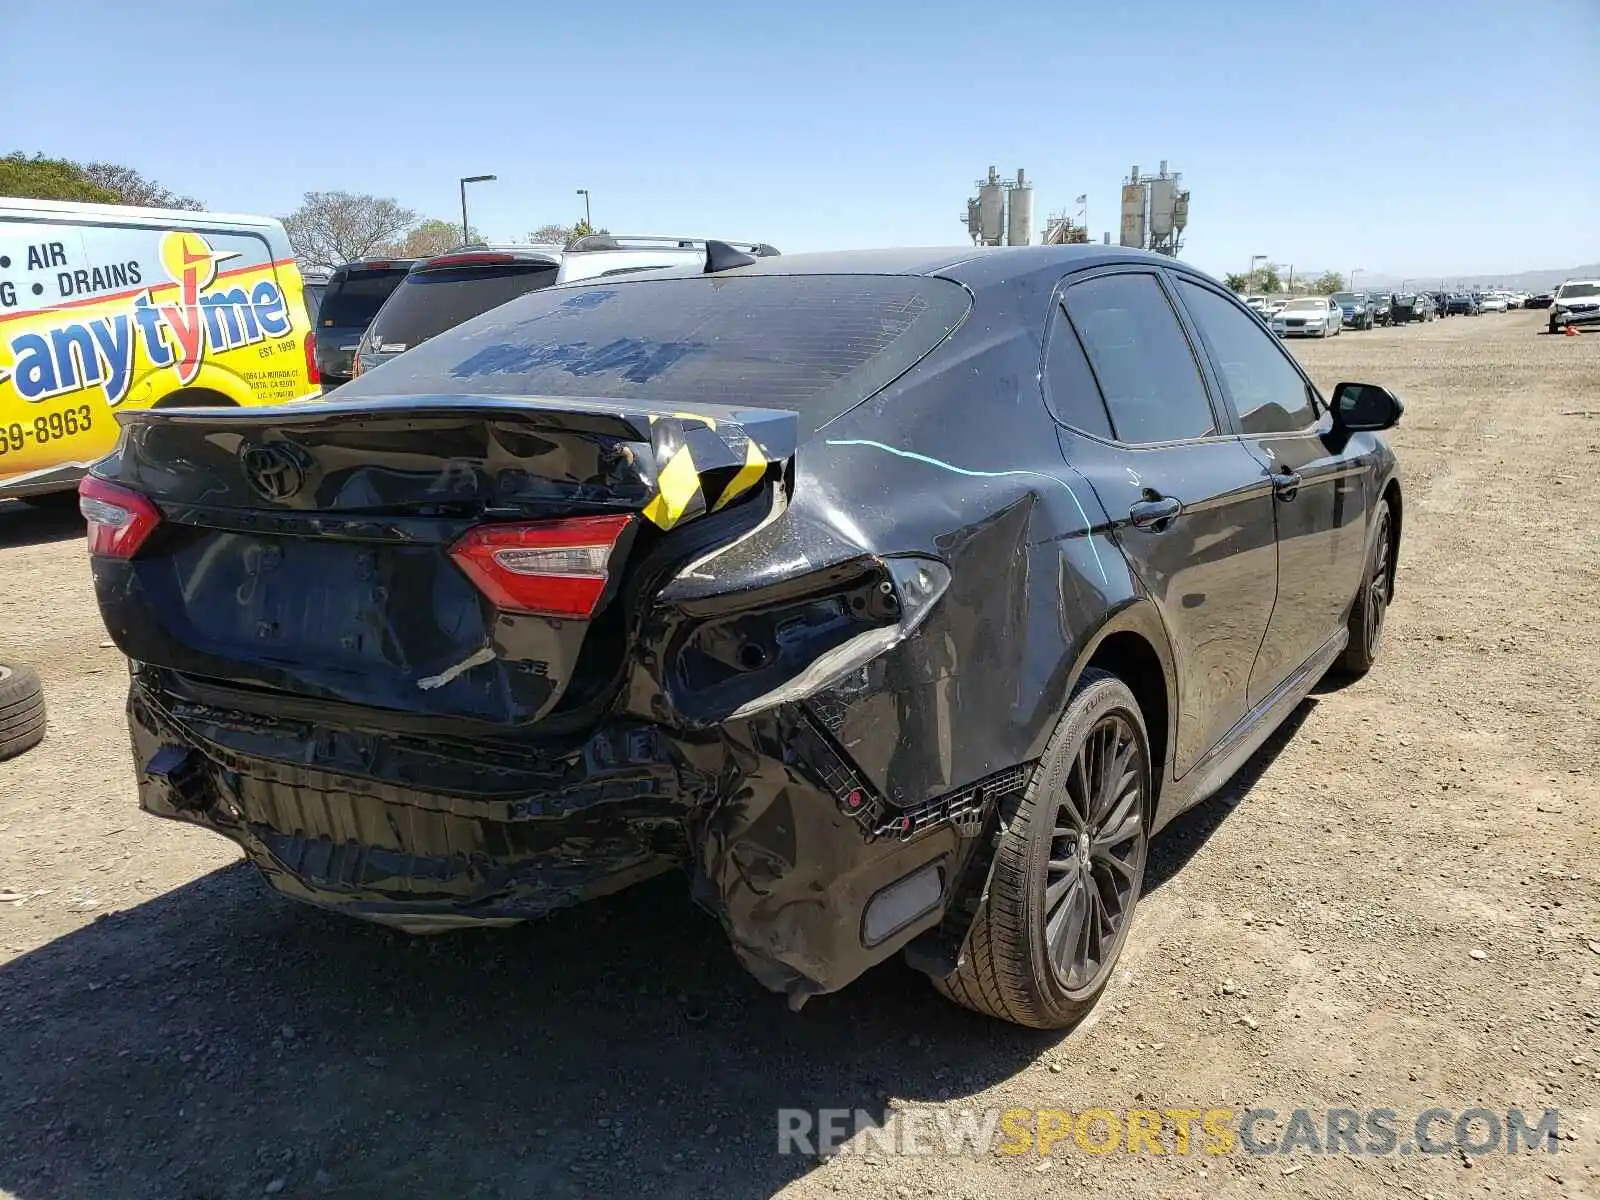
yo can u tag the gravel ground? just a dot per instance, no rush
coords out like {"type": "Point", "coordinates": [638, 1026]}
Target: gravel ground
{"type": "Point", "coordinates": [1397, 905]}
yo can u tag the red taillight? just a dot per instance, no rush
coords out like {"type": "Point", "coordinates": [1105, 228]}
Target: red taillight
{"type": "Point", "coordinates": [312, 374]}
{"type": "Point", "coordinates": [552, 568]}
{"type": "Point", "coordinates": [119, 520]}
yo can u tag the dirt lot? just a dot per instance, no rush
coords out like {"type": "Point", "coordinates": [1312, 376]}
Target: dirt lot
{"type": "Point", "coordinates": [1397, 905]}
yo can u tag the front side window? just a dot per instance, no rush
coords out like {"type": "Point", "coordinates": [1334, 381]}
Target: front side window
{"type": "Point", "coordinates": [1266, 392]}
{"type": "Point", "coordinates": [1141, 358]}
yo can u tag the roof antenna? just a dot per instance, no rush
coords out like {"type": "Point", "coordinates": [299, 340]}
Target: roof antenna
{"type": "Point", "coordinates": [722, 257]}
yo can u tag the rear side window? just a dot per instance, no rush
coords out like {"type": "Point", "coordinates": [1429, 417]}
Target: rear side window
{"type": "Point", "coordinates": [429, 302]}
{"type": "Point", "coordinates": [1069, 386]}
{"type": "Point", "coordinates": [1266, 391]}
{"type": "Point", "coordinates": [1141, 358]}
{"type": "Point", "coordinates": [352, 300]}
{"type": "Point", "coordinates": [816, 344]}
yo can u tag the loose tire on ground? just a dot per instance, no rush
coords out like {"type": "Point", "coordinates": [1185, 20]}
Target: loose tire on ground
{"type": "Point", "coordinates": [22, 716]}
{"type": "Point", "coordinates": [1011, 966]}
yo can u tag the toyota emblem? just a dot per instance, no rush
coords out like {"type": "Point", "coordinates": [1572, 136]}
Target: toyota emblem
{"type": "Point", "coordinates": [273, 471]}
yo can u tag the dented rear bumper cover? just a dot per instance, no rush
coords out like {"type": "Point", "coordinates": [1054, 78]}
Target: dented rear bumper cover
{"type": "Point", "coordinates": [813, 875]}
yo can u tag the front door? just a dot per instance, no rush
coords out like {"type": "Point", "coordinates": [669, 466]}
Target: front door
{"type": "Point", "coordinates": [1318, 500]}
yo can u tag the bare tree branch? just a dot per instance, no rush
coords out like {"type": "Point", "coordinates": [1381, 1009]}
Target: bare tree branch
{"type": "Point", "coordinates": [331, 228]}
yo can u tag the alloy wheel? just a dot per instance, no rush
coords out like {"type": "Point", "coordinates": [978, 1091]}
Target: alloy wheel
{"type": "Point", "coordinates": [1377, 605]}
{"type": "Point", "coordinates": [1097, 852]}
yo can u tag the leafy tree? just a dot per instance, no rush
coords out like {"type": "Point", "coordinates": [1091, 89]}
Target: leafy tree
{"type": "Point", "coordinates": [1328, 282]}
{"type": "Point", "coordinates": [562, 235]}
{"type": "Point", "coordinates": [551, 235]}
{"type": "Point", "coordinates": [432, 237]}
{"type": "Point", "coordinates": [331, 228]}
{"type": "Point", "coordinates": [1237, 283]}
{"type": "Point", "coordinates": [131, 187]}
{"type": "Point", "coordinates": [41, 178]}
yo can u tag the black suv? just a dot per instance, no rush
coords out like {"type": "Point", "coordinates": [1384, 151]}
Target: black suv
{"type": "Point", "coordinates": [1412, 306]}
{"type": "Point", "coordinates": [355, 292]}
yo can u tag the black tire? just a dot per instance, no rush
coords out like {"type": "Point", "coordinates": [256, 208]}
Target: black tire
{"type": "Point", "coordinates": [1554, 328]}
{"type": "Point", "coordinates": [1049, 859]}
{"type": "Point", "coordinates": [1369, 613]}
{"type": "Point", "coordinates": [22, 716]}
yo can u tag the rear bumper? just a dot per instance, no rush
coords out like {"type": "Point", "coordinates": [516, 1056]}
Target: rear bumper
{"type": "Point", "coordinates": [786, 844]}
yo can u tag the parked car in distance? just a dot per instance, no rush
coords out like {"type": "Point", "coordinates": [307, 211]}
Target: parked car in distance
{"type": "Point", "coordinates": [1355, 309]}
{"type": "Point", "coordinates": [1576, 303]}
{"type": "Point", "coordinates": [1382, 307]}
{"type": "Point", "coordinates": [440, 293]}
{"type": "Point", "coordinates": [1491, 302]}
{"type": "Point", "coordinates": [1308, 316]}
{"type": "Point", "coordinates": [1441, 303]}
{"type": "Point", "coordinates": [355, 293]}
{"type": "Point", "coordinates": [624, 577]}
{"type": "Point", "coordinates": [1513, 299]}
{"type": "Point", "coordinates": [1540, 300]}
{"type": "Point", "coordinates": [1411, 306]}
{"type": "Point", "coordinates": [1461, 304]}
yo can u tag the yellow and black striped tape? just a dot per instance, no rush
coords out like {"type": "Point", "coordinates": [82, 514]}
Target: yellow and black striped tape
{"type": "Point", "coordinates": [702, 464]}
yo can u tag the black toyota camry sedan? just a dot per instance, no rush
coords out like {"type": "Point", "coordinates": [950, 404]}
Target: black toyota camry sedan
{"type": "Point", "coordinates": [898, 598]}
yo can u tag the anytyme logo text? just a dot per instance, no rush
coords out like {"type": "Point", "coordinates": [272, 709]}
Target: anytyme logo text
{"type": "Point", "coordinates": [177, 324]}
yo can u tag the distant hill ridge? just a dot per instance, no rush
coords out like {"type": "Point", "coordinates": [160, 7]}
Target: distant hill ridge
{"type": "Point", "coordinates": [1526, 281]}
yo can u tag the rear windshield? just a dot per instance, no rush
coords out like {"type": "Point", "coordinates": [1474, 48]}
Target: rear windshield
{"type": "Point", "coordinates": [429, 302]}
{"type": "Point", "coordinates": [354, 299]}
{"type": "Point", "coordinates": [816, 344]}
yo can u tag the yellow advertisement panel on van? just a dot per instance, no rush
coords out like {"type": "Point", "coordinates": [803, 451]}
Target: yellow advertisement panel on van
{"type": "Point", "coordinates": [104, 308]}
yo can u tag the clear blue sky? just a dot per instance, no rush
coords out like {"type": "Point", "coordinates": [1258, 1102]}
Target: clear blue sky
{"type": "Point", "coordinates": [1404, 138]}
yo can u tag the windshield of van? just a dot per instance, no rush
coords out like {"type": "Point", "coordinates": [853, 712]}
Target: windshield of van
{"type": "Point", "coordinates": [1571, 291]}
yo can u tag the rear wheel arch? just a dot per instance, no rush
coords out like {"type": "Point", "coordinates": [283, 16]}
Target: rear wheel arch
{"type": "Point", "coordinates": [1129, 656]}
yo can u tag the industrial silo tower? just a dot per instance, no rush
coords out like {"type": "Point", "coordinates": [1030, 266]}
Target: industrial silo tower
{"type": "Point", "coordinates": [1002, 212]}
{"type": "Point", "coordinates": [1155, 211]}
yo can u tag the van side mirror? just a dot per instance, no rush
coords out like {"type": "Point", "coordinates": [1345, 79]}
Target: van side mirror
{"type": "Point", "coordinates": [1365, 407]}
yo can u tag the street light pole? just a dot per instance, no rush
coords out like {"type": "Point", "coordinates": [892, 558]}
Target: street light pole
{"type": "Point", "coordinates": [1250, 275]}
{"type": "Point", "coordinates": [466, 179]}
{"type": "Point", "coordinates": [1353, 273]}
{"type": "Point", "coordinates": [587, 220]}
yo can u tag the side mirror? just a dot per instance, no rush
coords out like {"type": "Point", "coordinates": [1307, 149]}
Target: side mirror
{"type": "Point", "coordinates": [1365, 407]}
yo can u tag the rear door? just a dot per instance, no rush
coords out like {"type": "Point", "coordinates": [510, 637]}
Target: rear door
{"type": "Point", "coordinates": [1319, 503]}
{"type": "Point", "coordinates": [1191, 509]}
